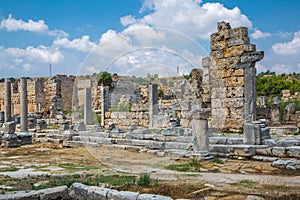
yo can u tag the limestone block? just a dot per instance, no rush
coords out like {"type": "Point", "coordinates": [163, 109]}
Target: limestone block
{"type": "Point", "coordinates": [280, 163]}
{"type": "Point", "coordinates": [121, 195]}
{"type": "Point", "coordinates": [293, 151]}
{"type": "Point", "coordinates": [238, 41]}
{"type": "Point", "coordinates": [270, 142]}
{"type": "Point", "coordinates": [60, 192]}
{"type": "Point", "coordinates": [78, 191]}
{"type": "Point", "coordinates": [234, 51]}
{"type": "Point", "coordinates": [217, 103]}
{"type": "Point", "coordinates": [234, 102]}
{"type": "Point", "coordinates": [217, 54]}
{"type": "Point", "coordinates": [9, 127]}
{"type": "Point", "coordinates": [114, 115]}
{"type": "Point", "coordinates": [239, 32]}
{"type": "Point", "coordinates": [218, 93]}
{"type": "Point", "coordinates": [252, 134]}
{"type": "Point", "coordinates": [232, 61]}
{"type": "Point", "coordinates": [236, 113]}
{"type": "Point", "coordinates": [235, 141]}
{"type": "Point", "coordinates": [97, 193]}
{"type": "Point", "coordinates": [176, 145]}
{"type": "Point", "coordinates": [279, 151]}
{"type": "Point", "coordinates": [243, 150]}
{"type": "Point", "coordinates": [217, 45]}
{"type": "Point", "coordinates": [152, 197]}
{"type": "Point", "coordinates": [122, 115]}
{"type": "Point", "coordinates": [234, 81]}
{"type": "Point", "coordinates": [249, 47]}
{"type": "Point", "coordinates": [218, 140]}
{"type": "Point", "coordinates": [220, 148]}
{"type": "Point", "coordinates": [264, 151]}
{"type": "Point", "coordinates": [219, 114]}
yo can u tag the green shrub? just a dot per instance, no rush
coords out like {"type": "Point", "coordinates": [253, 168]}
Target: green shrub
{"type": "Point", "coordinates": [144, 179]}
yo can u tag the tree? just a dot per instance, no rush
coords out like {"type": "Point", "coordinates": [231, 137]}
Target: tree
{"type": "Point", "coordinates": [104, 78]}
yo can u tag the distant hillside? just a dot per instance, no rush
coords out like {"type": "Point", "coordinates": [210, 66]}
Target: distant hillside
{"type": "Point", "coordinates": [270, 84]}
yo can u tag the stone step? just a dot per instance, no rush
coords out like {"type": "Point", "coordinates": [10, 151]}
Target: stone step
{"type": "Point", "coordinates": [80, 144]}
{"type": "Point", "coordinates": [237, 150]}
{"type": "Point", "coordinates": [225, 140]}
{"type": "Point", "coordinates": [126, 147]}
{"type": "Point", "coordinates": [98, 140]}
{"type": "Point", "coordinates": [282, 142]}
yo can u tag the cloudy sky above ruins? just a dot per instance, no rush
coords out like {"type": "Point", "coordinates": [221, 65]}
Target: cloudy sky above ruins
{"type": "Point", "coordinates": [138, 37]}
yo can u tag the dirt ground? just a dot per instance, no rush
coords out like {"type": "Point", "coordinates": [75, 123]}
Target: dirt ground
{"type": "Point", "coordinates": [31, 165]}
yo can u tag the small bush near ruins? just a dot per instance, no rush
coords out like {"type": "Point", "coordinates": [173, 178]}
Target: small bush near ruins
{"type": "Point", "coordinates": [144, 179]}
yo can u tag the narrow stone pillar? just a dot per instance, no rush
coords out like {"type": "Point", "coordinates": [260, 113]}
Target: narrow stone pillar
{"type": "Point", "coordinates": [24, 104]}
{"type": "Point", "coordinates": [104, 103]}
{"type": "Point", "coordinates": [206, 80]}
{"type": "Point", "coordinates": [153, 107]}
{"type": "Point", "coordinates": [248, 63]}
{"type": "Point", "coordinates": [200, 133]}
{"type": "Point", "coordinates": [87, 106]}
{"type": "Point", "coordinates": [7, 100]}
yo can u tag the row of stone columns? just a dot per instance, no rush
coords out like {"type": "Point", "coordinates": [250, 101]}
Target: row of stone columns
{"type": "Point", "coordinates": [23, 103]}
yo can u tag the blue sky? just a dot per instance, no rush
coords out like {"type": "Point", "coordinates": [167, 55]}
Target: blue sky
{"type": "Point", "coordinates": [137, 37]}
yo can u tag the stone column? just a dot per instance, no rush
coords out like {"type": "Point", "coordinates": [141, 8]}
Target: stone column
{"type": "Point", "coordinates": [206, 80]}
{"type": "Point", "coordinates": [153, 107]}
{"type": "Point", "coordinates": [200, 133]}
{"type": "Point", "coordinates": [104, 103]}
{"type": "Point", "coordinates": [7, 100]}
{"type": "Point", "coordinates": [24, 104]}
{"type": "Point", "coordinates": [248, 63]}
{"type": "Point", "coordinates": [87, 106]}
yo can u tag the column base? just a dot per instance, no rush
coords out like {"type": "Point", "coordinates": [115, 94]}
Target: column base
{"type": "Point", "coordinates": [202, 155]}
{"type": "Point", "coordinates": [25, 137]}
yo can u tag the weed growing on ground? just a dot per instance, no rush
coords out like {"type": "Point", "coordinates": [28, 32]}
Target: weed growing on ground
{"type": "Point", "coordinates": [245, 183]}
{"type": "Point", "coordinates": [190, 166]}
{"type": "Point", "coordinates": [144, 179]}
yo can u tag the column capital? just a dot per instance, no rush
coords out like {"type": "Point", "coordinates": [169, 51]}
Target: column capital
{"type": "Point", "coordinates": [201, 113]}
{"type": "Point", "coordinates": [248, 61]}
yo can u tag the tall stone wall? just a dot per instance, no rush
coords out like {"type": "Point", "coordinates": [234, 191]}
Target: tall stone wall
{"type": "Point", "coordinates": [226, 88]}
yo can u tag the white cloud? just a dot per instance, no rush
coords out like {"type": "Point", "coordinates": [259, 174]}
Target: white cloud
{"type": "Point", "coordinates": [257, 34]}
{"type": "Point", "coordinates": [81, 44]}
{"type": "Point", "coordinates": [30, 61]}
{"type": "Point", "coordinates": [44, 54]}
{"type": "Point", "coordinates": [127, 20]}
{"type": "Point", "coordinates": [288, 48]}
{"type": "Point", "coordinates": [189, 17]}
{"type": "Point", "coordinates": [107, 35]}
{"type": "Point", "coordinates": [10, 24]}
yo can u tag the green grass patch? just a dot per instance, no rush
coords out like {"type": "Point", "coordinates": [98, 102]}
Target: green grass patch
{"type": "Point", "coordinates": [217, 159]}
{"type": "Point", "coordinates": [73, 167]}
{"type": "Point", "coordinates": [214, 170]}
{"type": "Point", "coordinates": [193, 175]}
{"type": "Point", "coordinates": [245, 183]}
{"type": "Point", "coordinates": [189, 166]}
{"type": "Point", "coordinates": [87, 179]}
{"type": "Point", "coordinates": [144, 179]}
{"type": "Point", "coordinates": [9, 169]}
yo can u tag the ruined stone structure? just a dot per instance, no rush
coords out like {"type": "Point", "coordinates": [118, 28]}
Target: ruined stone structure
{"type": "Point", "coordinates": [43, 94]}
{"type": "Point", "coordinates": [230, 75]}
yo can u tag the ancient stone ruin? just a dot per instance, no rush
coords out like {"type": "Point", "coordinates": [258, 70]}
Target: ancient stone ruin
{"type": "Point", "coordinates": [171, 115]}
